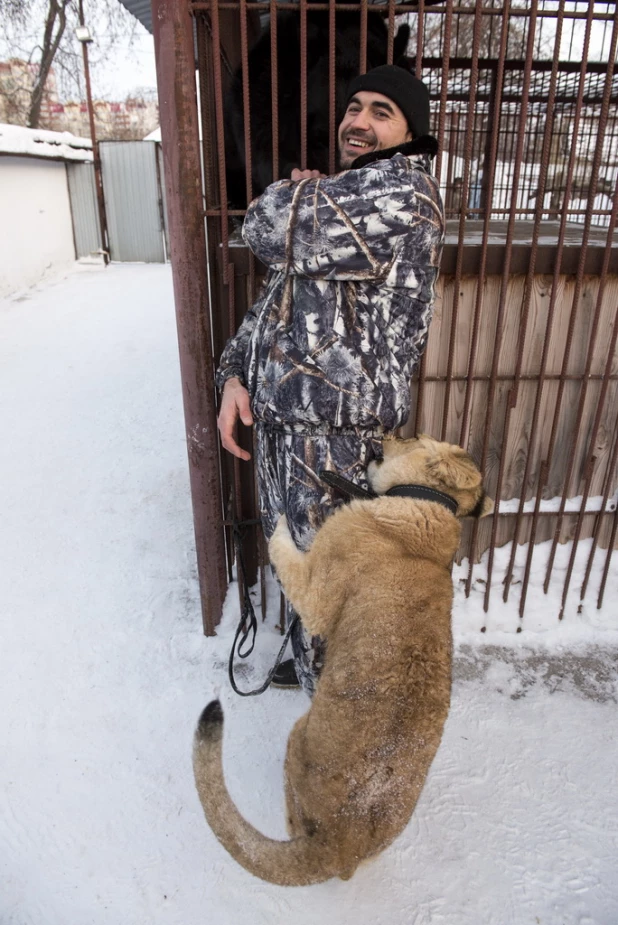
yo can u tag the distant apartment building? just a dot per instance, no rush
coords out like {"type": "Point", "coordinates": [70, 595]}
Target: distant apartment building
{"type": "Point", "coordinates": [17, 78]}
{"type": "Point", "coordinates": [128, 120]}
{"type": "Point", "coordinates": [125, 121]}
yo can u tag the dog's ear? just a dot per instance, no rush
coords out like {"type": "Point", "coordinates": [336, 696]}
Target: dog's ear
{"type": "Point", "coordinates": [454, 468]}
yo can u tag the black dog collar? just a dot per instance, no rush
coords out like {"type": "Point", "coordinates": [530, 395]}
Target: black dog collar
{"type": "Point", "coordinates": [420, 492]}
{"type": "Point", "coordinates": [423, 493]}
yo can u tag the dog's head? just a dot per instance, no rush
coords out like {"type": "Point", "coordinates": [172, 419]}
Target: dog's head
{"type": "Point", "coordinates": [425, 461]}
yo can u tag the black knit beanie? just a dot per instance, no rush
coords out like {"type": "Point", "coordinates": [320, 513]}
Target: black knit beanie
{"type": "Point", "coordinates": [398, 84]}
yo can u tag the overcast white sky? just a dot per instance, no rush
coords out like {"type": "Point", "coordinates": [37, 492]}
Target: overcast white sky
{"type": "Point", "coordinates": [117, 71]}
{"type": "Point", "coordinates": [126, 67]}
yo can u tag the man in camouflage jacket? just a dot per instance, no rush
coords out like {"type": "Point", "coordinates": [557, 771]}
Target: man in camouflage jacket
{"type": "Point", "coordinates": [322, 361]}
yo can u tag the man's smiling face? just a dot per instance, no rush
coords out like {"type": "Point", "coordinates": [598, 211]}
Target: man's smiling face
{"type": "Point", "coordinates": [372, 122]}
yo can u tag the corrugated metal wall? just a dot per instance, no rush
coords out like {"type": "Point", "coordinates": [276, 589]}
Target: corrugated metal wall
{"type": "Point", "coordinates": [83, 196]}
{"type": "Point", "coordinates": [132, 201]}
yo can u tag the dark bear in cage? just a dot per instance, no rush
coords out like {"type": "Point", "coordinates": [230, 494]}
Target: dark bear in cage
{"type": "Point", "coordinates": [347, 61]}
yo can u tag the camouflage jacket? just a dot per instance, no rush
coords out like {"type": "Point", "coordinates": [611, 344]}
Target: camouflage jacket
{"type": "Point", "coordinates": [342, 319]}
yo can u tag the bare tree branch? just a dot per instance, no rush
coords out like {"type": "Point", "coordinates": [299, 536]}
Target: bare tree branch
{"type": "Point", "coordinates": [39, 37]}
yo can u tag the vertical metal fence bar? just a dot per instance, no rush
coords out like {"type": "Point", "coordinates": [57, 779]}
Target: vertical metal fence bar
{"type": "Point", "coordinates": [274, 87]}
{"type": "Point", "coordinates": [420, 393]}
{"type": "Point", "coordinates": [446, 44]}
{"type": "Point", "coordinates": [174, 50]}
{"type": "Point", "coordinates": [538, 215]}
{"type": "Point", "coordinates": [362, 66]}
{"type": "Point", "coordinates": [458, 19]}
{"type": "Point", "coordinates": [303, 84]}
{"type": "Point", "coordinates": [499, 331]}
{"type": "Point", "coordinates": [612, 462]}
{"type": "Point", "coordinates": [488, 165]}
{"type": "Point", "coordinates": [528, 153]}
{"type": "Point", "coordinates": [246, 100]}
{"type": "Point", "coordinates": [608, 559]}
{"type": "Point", "coordinates": [391, 31]}
{"type": "Point", "coordinates": [216, 45]}
{"type": "Point", "coordinates": [206, 140]}
{"type": "Point", "coordinates": [579, 281]}
{"type": "Point", "coordinates": [446, 49]}
{"type": "Point", "coordinates": [332, 128]}
{"type": "Point", "coordinates": [494, 115]}
{"type": "Point", "coordinates": [478, 22]}
{"type": "Point", "coordinates": [599, 520]}
{"type": "Point", "coordinates": [211, 186]}
{"type": "Point", "coordinates": [589, 463]}
{"type": "Point", "coordinates": [453, 134]}
{"type": "Point", "coordinates": [420, 29]}
{"type": "Point", "coordinates": [512, 396]}
{"type": "Point", "coordinates": [544, 467]}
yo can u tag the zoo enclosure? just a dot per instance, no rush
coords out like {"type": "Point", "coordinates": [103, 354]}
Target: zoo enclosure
{"type": "Point", "coordinates": [521, 361]}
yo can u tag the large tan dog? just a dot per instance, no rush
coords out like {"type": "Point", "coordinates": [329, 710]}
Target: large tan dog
{"type": "Point", "coordinates": [376, 583]}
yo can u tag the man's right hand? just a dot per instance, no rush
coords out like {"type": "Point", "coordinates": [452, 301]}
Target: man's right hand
{"type": "Point", "coordinates": [234, 404]}
{"type": "Point", "coordinates": [298, 174]}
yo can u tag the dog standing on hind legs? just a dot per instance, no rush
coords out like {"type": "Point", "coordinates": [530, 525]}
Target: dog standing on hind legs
{"type": "Point", "coordinates": [376, 583]}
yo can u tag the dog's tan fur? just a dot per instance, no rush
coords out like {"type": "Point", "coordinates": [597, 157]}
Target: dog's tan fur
{"type": "Point", "coordinates": [376, 583]}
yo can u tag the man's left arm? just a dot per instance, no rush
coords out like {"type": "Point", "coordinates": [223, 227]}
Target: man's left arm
{"type": "Point", "coordinates": [347, 227]}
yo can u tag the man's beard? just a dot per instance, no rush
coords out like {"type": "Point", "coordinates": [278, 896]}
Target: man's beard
{"type": "Point", "coordinates": [347, 159]}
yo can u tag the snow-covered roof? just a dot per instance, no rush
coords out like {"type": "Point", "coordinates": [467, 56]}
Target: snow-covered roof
{"type": "Point", "coordinates": [154, 135]}
{"type": "Point", "coordinates": [34, 142]}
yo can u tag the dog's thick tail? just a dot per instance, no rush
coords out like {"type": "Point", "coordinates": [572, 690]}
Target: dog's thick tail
{"type": "Point", "coordinates": [299, 862]}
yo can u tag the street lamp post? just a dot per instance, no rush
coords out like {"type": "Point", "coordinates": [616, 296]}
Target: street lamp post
{"type": "Point", "coordinates": [83, 35]}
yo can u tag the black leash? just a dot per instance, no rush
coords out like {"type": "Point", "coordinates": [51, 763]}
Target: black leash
{"type": "Point", "coordinates": [248, 621]}
{"type": "Point", "coordinates": [345, 487]}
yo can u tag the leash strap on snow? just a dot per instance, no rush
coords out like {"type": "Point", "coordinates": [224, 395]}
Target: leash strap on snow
{"type": "Point", "coordinates": [247, 627]}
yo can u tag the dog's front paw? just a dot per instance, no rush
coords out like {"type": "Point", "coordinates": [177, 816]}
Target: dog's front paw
{"type": "Point", "coordinates": [282, 526]}
{"type": "Point", "coordinates": [280, 541]}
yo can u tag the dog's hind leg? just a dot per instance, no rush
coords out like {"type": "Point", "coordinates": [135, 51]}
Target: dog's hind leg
{"type": "Point", "coordinates": [294, 773]}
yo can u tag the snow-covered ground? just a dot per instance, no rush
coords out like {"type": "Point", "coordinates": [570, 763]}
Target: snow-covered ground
{"type": "Point", "coordinates": [104, 671]}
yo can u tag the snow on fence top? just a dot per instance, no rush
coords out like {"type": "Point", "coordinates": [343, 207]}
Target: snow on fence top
{"type": "Point", "coordinates": [34, 142]}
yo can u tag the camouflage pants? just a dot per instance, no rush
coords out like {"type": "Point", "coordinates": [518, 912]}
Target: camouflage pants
{"type": "Point", "coordinates": [288, 466]}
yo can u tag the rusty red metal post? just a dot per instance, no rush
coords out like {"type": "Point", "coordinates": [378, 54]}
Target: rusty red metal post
{"type": "Point", "coordinates": [174, 50]}
{"type": "Point", "coordinates": [98, 176]}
